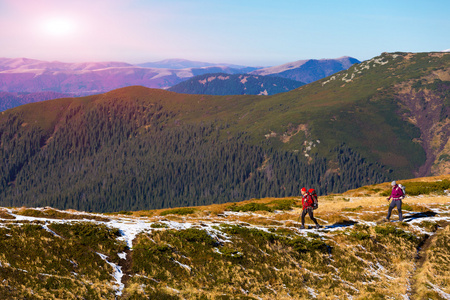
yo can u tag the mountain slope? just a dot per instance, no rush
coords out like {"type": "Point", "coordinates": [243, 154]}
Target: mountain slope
{"type": "Point", "coordinates": [138, 148]}
{"type": "Point", "coordinates": [309, 70]}
{"type": "Point", "coordinates": [250, 250]}
{"type": "Point", "coordinates": [242, 84]}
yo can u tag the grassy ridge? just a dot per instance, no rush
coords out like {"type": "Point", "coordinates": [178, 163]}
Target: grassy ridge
{"type": "Point", "coordinates": [248, 250]}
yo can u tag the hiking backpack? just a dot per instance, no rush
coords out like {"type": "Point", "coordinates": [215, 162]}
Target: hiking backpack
{"type": "Point", "coordinates": [314, 197]}
{"type": "Point", "coordinates": [403, 189]}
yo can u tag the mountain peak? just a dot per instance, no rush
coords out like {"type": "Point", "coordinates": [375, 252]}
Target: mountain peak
{"type": "Point", "coordinates": [309, 70]}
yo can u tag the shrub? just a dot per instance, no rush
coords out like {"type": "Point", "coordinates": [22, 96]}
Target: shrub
{"type": "Point", "coordinates": [389, 230]}
{"type": "Point", "coordinates": [407, 207]}
{"type": "Point", "coordinates": [5, 215]}
{"type": "Point", "coordinates": [196, 236]}
{"type": "Point", "coordinates": [159, 225]}
{"type": "Point", "coordinates": [303, 245]}
{"type": "Point", "coordinates": [179, 211]}
{"type": "Point", "coordinates": [431, 226]}
{"type": "Point", "coordinates": [231, 253]}
{"type": "Point", "coordinates": [359, 235]}
{"type": "Point", "coordinates": [99, 237]}
{"type": "Point", "coordinates": [259, 236]}
{"type": "Point", "coordinates": [283, 204]}
{"type": "Point", "coordinates": [425, 188]}
{"type": "Point", "coordinates": [250, 207]}
{"type": "Point", "coordinates": [55, 214]}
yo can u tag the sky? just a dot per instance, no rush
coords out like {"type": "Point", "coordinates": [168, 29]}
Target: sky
{"type": "Point", "coordinates": [245, 32]}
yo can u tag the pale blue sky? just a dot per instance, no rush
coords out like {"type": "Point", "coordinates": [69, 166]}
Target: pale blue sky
{"type": "Point", "coordinates": [247, 32]}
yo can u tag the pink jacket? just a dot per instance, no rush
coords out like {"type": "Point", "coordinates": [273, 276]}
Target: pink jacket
{"type": "Point", "coordinates": [397, 193]}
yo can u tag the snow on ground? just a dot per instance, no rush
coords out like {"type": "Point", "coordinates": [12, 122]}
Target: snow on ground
{"type": "Point", "coordinates": [130, 227]}
{"type": "Point", "coordinates": [118, 274]}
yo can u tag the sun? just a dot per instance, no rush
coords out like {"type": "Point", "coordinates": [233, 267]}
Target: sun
{"type": "Point", "coordinates": [58, 27]}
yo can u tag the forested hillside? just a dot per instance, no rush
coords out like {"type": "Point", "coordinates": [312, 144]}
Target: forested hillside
{"type": "Point", "coordinates": [119, 156]}
{"type": "Point", "coordinates": [10, 100]}
{"type": "Point", "coordinates": [139, 148]}
{"type": "Point", "coordinates": [237, 84]}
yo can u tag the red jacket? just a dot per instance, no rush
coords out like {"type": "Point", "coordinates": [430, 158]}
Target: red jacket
{"type": "Point", "coordinates": [307, 201]}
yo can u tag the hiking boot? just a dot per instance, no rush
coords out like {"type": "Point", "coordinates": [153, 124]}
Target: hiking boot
{"type": "Point", "coordinates": [386, 220]}
{"type": "Point", "coordinates": [318, 226]}
{"type": "Point", "coordinates": [302, 227]}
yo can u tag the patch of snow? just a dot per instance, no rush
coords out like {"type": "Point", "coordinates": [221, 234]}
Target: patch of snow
{"type": "Point", "coordinates": [439, 291]}
{"type": "Point", "coordinates": [118, 274]}
{"type": "Point", "coordinates": [329, 80]}
{"type": "Point", "coordinates": [350, 79]}
{"type": "Point", "coordinates": [265, 93]}
{"type": "Point", "coordinates": [172, 289]}
{"type": "Point", "coordinates": [182, 265]}
{"type": "Point", "coordinates": [380, 61]}
{"type": "Point", "coordinates": [312, 292]}
{"type": "Point", "coordinates": [129, 228]}
{"type": "Point", "coordinates": [51, 231]}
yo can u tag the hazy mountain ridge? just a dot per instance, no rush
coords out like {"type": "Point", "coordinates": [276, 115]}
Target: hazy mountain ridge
{"type": "Point", "coordinates": [178, 63]}
{"type": "Point", "coordinates": [81, 79]}
{"type": "Point", "coordinates": [249, 250]}
{"type": "Point", "coordinates": [241, 84]}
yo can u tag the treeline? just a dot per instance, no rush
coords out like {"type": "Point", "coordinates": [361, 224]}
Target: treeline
{"type": "Point", "coordinates": [130, 156]}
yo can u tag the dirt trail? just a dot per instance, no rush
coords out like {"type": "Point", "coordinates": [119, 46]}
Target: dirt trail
{"type": "Point", "coordinates": [421, 258]}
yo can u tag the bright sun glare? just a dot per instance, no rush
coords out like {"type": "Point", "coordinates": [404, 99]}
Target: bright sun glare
{"type": "Point", "coordinates": [58, 27]}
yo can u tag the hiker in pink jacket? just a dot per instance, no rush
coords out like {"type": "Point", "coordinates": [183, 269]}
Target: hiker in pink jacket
{"type": "Point", "coordinates": [396, 196]}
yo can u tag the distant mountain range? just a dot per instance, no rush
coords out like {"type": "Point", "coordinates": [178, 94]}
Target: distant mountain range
{"type": "Point", "coordinates": [237, 84]}
{"type": "Point", "coordinates": [186, 64]}
{"type": "Point", "coordinates": [79, 79]}
{"type": "Point", "coordinates": [22, 75]}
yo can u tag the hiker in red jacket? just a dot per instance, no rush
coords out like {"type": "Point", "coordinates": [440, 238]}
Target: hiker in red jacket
{"type": "Point", "coordinates": [307, 203]}
{"type": "Point", "coordinates": [396, 196]}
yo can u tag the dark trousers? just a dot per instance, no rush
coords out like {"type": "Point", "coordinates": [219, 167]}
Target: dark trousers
{"type": "Point", "coordinates": [309, 211]}
{"type": "Point", "coordinates": [397, 203]}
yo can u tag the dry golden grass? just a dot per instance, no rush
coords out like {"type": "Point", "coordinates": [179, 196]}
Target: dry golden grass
{"type": "Point", "coordinates": [432, 279]}
{"type": "Point", "coordinates": [360, 264]}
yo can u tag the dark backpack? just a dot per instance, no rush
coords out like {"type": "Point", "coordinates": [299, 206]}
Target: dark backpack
{"type": "Point", "coordinates": [314, 197]}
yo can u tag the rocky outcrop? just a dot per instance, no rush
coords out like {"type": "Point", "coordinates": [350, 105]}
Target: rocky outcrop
{"type": "Point", "coordinates": [427, 103]}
